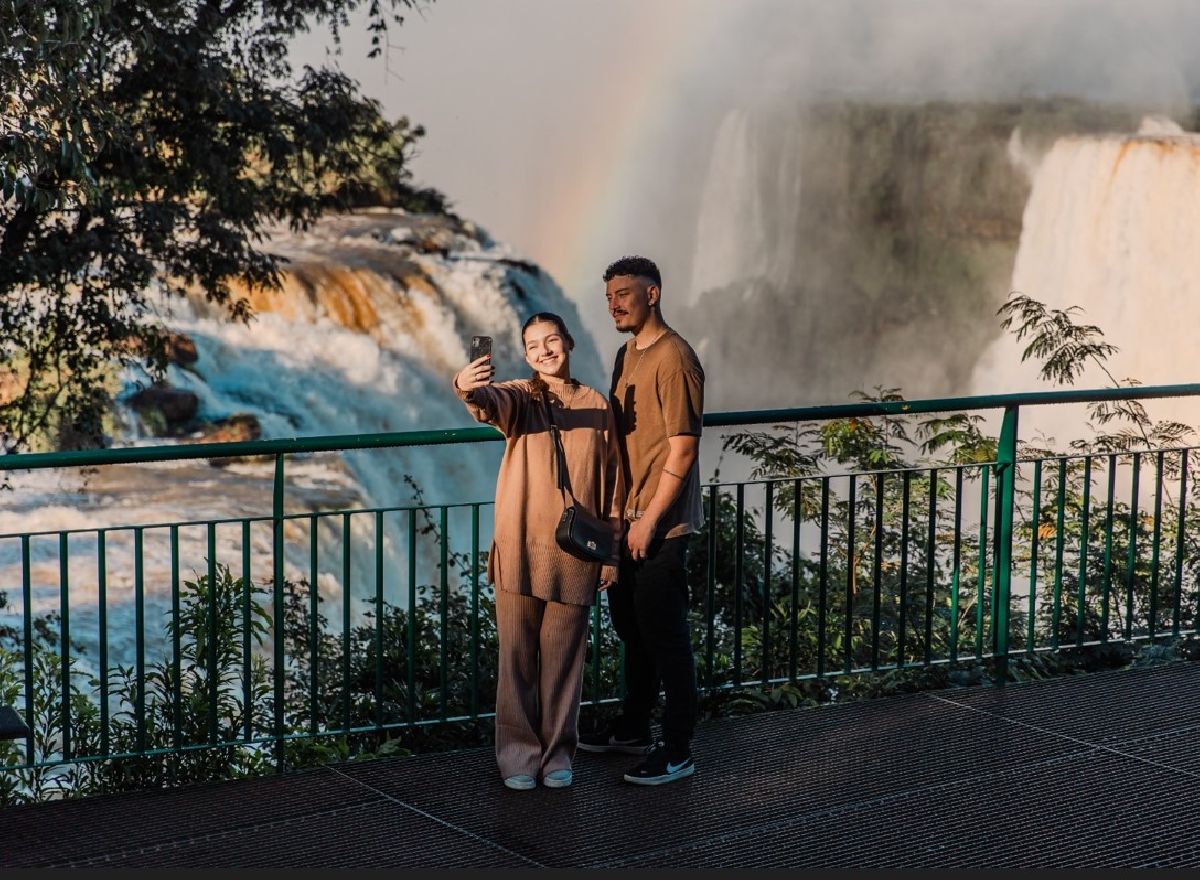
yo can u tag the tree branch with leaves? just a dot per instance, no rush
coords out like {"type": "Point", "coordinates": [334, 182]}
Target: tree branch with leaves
{"type": "Point", "coordinates": [148, 146]}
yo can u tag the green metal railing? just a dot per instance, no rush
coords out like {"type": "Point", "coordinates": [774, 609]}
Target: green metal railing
{"type": "Point", "coordinates": [793, 578]}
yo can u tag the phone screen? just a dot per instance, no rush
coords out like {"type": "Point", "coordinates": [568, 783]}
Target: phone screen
{"type": "Point", "coordinates": [480, 345]}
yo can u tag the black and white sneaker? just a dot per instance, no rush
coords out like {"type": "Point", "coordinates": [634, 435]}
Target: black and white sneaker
{"type": "Point", "coordinates": [662, 765]}
{"type": "Point", "coordinates": [613, 739]}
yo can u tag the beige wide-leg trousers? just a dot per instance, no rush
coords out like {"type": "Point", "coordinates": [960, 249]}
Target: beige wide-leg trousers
{"type": "Point", "coordinates": [539, 683]}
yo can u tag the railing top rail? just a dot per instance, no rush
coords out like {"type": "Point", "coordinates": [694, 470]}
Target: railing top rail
{"type": "Point", "coordinates": [336, 442]}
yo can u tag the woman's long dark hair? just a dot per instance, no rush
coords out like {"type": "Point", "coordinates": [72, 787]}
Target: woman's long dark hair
{"type": "Point", "coordinates": [537, 383]}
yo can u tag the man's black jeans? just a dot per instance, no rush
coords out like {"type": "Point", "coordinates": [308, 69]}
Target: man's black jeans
{"type": "Point", "coordinates": [649, 607]}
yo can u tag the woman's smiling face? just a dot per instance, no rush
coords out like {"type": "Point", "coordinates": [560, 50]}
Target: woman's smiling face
{"type": "Point", "coordinates": [546, 350]}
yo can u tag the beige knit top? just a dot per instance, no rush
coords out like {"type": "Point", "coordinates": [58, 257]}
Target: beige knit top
{"type": "Point", "coordinates": [524, 557]}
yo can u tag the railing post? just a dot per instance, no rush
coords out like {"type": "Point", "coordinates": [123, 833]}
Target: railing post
{"type": "Point", "coordinates": [277, 593]}
{"type": "Point", "coordinates": [1006, 474]}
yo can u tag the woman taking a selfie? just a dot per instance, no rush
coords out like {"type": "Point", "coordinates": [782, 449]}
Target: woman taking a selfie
{"type": "Point", "coordinates": [543, 592]}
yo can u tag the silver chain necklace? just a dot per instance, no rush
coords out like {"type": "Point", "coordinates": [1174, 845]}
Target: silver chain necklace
{"type": "Point", "coordinates": [642, 352]}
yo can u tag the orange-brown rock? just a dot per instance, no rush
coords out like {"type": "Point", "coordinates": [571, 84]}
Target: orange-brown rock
{"type": "Point", "coordinates": [238, 428]}
{"type": "Point", "coordinates": [181, 349]}
{"type": "Point", "coordinates": [178, 348]}
{"type": "Point", "coordinates": [11, 387]}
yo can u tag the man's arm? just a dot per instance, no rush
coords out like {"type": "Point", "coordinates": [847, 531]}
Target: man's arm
{"type": "Point", "coordinates": [682, 455]}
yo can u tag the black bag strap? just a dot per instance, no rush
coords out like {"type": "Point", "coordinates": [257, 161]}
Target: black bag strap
{"type": "Point", "coordinates": [558, 453]}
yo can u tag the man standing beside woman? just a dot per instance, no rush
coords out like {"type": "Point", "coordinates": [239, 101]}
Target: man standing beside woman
{"type": "Point", "coordinates": [657, 395]}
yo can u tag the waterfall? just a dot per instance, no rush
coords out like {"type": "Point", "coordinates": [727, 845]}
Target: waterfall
{"type": "Point", "coordinates": [731, 226]}
{"type": "Point", "coordinates": [749, 211]}
{"type": "Point", "coordinates": [374, 316]}
{"type": "Point", "coordinates": [1112, 226]}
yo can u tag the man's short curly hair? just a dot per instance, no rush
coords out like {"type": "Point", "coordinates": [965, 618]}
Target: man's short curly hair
{"type": "Point", "coordinates": [641, 267]}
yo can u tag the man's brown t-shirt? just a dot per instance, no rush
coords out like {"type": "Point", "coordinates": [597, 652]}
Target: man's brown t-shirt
{"type": "Point", "coordinates": [658, 392]}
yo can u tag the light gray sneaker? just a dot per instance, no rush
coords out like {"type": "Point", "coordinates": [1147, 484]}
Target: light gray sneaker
{"type": "Point", "coordinates": [521, 782]}
{"type": "Point", "coordinates": [558, 779]}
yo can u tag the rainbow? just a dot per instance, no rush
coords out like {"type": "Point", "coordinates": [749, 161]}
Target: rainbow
{"type": "Point", "coordinates": [585, 217]}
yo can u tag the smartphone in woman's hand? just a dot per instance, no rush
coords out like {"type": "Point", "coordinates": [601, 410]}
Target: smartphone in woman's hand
{"type": "Point", "coordinates": [480, 346]}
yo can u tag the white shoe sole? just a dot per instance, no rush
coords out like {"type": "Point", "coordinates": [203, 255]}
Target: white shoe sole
{"type": "Point", "coordinates": [661, 780]}
{"type": "Point", "coordinates": [520, 783]}
{"type": "Point", "coordinates": [557, 783]}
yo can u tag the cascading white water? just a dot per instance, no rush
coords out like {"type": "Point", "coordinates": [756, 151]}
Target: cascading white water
{"type": "Point", "coordinates": [749, 207]}
{"type": "Point", "coordinates": [1113, 226]}
{"type": "Point", "coordinates": [730, 238]}
{"type": "Point", "coordinates": [375, 315]}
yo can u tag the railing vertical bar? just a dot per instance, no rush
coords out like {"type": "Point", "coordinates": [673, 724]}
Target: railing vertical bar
{"type": "Point", "coordinates": [27, 615]}
{"type": "Point", "coordinates": [475, 611]}
{"type": "Point", "coordinates": [277, 624]}
{"type": "Point", "coordinates": [1034, 541]}
{"type": "Point", "coordinates": [992, 612]}
{"type": "Point", "coordinates": [956, 576]}
{"type": "Point", "coordinates": [981, 594]}
{"type": "Point", "coordinates": [379, 618]}
{"type": "Point", "coordinates": [314, 639]}
{"type": "Point", "coordinates": [444, 613]}
{"type": "Point", "coordinates": [931, 563]}
{"type": "Point", "coordinates": [794, 604]}
{"type": "Point", "coordinates": [1084, 538]}
{"type": "Point", "coordinates": [176, 644]}
{"type": "Point", "coordinates": [711, 579]}
{"type": "Point", "coordinates": [1177, 589]}
{"type": "Point", "coordinates": [1006, 503]}
{"type": "Point", "coordinates": [902, 619]}
{"type": "Point", "coordinates": [877, 573]}
{"type": "Point", "coordinates": [139, 624]}
{"type": "Point", "coordinates": [768, 556]}
{"type": "Point", "coordinates": [1060, 540]}
{"type": "Point", "coordinates": [64, 598]}
{"type": "Point", "coordinates": [412, 617]}
{"type": "Point", "coordinates": [851, 570]}
{"type": "Point", "coordinates": [212, 677]}
{"type": "Point", "coordinates": [346, 547]}
{"type": "Point", "coordinates": [102, 614]}
{"type": "Point", "coordinates": [596, 635]}
{"type": "Point", "coordinates": [738, 586]}
{"type": "Point", "coordinates": [823, 586]}
{"type": "Point", "coordinates": [1131, 557]}
{"type": "Point", "coordinates": [1155, 547]}
{"type": "Point", "coordinates": [1108, 547]}
{"type": "Point", "coordinates": [247, 644]}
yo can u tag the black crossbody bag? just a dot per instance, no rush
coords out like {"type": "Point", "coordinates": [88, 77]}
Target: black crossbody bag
{"type": "Point", "coordinates": [579, 531]}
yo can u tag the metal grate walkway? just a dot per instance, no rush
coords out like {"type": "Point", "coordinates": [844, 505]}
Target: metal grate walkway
{"type": "Point", "coordinates": [1093, 770]}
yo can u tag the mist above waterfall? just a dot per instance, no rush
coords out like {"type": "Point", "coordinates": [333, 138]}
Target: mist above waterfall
{"type": "Point", "coordinates": [1102, 50]}
{"type": "Point", "coordinates": [862, 199]}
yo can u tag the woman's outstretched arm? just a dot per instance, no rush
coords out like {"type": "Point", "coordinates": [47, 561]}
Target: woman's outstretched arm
{"type": "Point", "coordinates": [496, 405]}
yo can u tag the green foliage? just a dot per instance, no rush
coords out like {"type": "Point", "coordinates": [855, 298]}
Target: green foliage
{"type": "Point", "coordinates": [147, 145]}
{"type": "Point", "coordinates": [1064, 347]}
{"type": "Point", "coordinates": [898, 570]}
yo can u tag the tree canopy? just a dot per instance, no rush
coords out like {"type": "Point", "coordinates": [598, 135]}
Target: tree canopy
{"type": "Point", "coordinates": [145, 146]}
